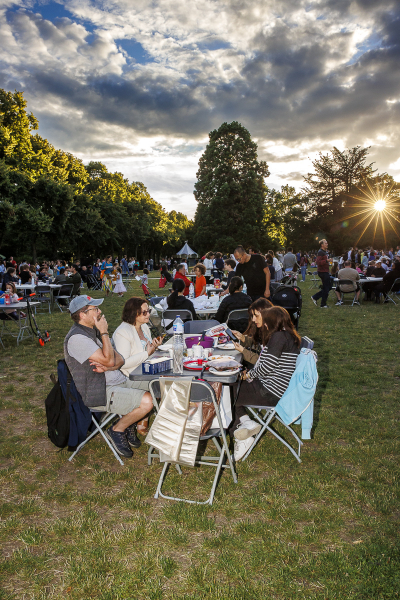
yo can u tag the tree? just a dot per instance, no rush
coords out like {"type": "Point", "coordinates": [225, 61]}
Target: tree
{"type": "Point", "coordinates": [230, 191]}
{"type": "Point", "coordinates": [335, 176]}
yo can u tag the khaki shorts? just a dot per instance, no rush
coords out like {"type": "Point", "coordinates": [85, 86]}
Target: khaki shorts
{"type": "Point", "coordinates": [123, 398]}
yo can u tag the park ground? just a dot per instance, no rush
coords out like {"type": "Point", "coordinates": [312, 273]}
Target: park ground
{"type": "Point", "coordinates": [327, 528]}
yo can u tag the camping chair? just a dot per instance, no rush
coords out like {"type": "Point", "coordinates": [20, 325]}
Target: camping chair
{"type": "Point", "coordinates": [392, 294]}
{"type": "Point", "coordinates": [64, 294]}
{"type": "Point", "coordinates": [171, 315]}
{"type": "Point", "coordinates": [99, 426]}
{"type": "Point", "coordinates": [93, 283]}
{"type": "Point", "coordinates": [43, 295]}
{"type": "Point", "coordinates": [354, 292]}
{"type": "Point", "coordinates": [201, 391]}
{"type": "Point", "coordinates": [199, 326]}
{"type": "Point", "coordinates": [238, 319]}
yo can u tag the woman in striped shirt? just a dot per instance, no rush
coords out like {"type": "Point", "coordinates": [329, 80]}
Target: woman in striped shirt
{"type": "Point", "coordinates": [267, 381]}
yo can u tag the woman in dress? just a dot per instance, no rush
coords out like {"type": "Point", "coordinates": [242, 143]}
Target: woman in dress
{"type": "Point", "coordinates": [106, 269]}
{"type": "Point", "coordinates": [267, 381]}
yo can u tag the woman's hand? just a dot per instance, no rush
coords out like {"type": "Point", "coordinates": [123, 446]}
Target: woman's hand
{"type": "Point", "coordinates": [239, 335]}
{"type": "Point", "coordinates": [238, 347]}
{"type": "Point", "coordinates": [244, 375]}
{"type": "Point", "coordinates": [150, 348]}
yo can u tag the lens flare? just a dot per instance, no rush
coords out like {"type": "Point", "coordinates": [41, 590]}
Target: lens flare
{"type": "Point", "coordinates": [378, 204]}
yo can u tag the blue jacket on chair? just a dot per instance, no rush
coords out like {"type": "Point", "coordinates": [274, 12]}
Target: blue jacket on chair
{"type": "Point", "coordinates": [297, 403]}
{"type": "Point", "coordinates": [79, 414]}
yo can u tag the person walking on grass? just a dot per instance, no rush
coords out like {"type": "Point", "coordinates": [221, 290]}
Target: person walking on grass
{"type": "Point", "coordinates": [323, 273]}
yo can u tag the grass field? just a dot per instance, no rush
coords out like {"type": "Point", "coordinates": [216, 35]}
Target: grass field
{"type": "Point", "coordinates": [327, 528]}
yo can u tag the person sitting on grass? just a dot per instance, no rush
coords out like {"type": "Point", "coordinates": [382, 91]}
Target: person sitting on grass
{"type": "Point", "coordinates": [95, 368]}
{"type": "Point", "coordinates": [267, 381]}
{"type": "Point", "coordinates": [251, 340]}
{"type": "Point", "coordinates": [200, 287]}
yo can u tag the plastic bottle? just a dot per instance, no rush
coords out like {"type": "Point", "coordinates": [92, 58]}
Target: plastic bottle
{"type": "Point", "coordinates": [191, 291]}
{"type": "Point", "coordinates": [8, 299]}
{"type": "Point", "coordinates": [19, 282]}
{"type": "Point", "coordinates": [33, 281]}
{"type": "Point", "coordinates": [244, 288]}
{"type": "Point", "coordinates": [178, 346]}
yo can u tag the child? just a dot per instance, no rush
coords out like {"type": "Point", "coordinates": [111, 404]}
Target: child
{"type": "Point", "coordinates": [10, 313]}
{"type": "Point", "coordinates": [119, 286]}
{"type": "Point", "coordinates": [145, 282]}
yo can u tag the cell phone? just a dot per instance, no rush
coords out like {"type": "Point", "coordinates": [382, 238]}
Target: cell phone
{"type": "Point", "coordinates": [231, 335]}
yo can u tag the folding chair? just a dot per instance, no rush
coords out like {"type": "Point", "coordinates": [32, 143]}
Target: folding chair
{"type": "Point", "coordinates": [354, 292]}
{"type": "Point", "coordinates": [93, 283]}
{"type": "Point", "coordinates": [392, 294]}
{"type": "Point", "coordinates": [156, 299]}
{"type": "Point", "coordinates": [65, 294]}
{"type": "Point", "coordinates": [185, 315]}
{"type": "Point", "coordinates": [199, 326]}
{"type": "Point", "coordinates": [99, 427]}
{"type": "Point", "coordinates": [238, 319]}
{"type": "Point", "coordinates": [43, 294]}
{"type": "Point", "coordinates": [201, 391]}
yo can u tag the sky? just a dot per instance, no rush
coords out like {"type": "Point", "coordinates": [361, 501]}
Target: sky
{"type": "Point", "coordinates": [138, 85]}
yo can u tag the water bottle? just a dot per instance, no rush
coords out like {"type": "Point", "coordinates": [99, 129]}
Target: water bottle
{"type": "Point", "coordinates": [191, 291]}
{"type": "Point", "coordinates": [244, 288]}
{"type": "Point", "coordinates": [19, 282]}
{"type": "Point", "coordinates": [8, 299]}
{"type": "Point", "coordinates": [178, 346]}
{"type": "Point", "coordinates": [33, 281]}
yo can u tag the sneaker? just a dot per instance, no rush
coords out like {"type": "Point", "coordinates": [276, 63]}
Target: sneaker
{"type": "Point", "coordinates": [241, 447]}
{"type": "Point", "coordinates": [339, 303]}
{"type": "Point", "coordinates": [119, 441]}
{"type": "Point", "coordinates": [246, 428]}
{"type": "Point", "coordinates": [131, 436]}
{"type": "Point", "coordinates": [357, 303]}
{"type": "Point", "coordinates": [326, 306]}
{"type": "Point", "coordinates": [315, 302]}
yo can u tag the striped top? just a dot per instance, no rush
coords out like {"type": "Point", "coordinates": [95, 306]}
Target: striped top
{"type": "Point", "coordinates": [276, 364]}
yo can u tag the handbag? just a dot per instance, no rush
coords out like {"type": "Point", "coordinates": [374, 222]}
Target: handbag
{"type": "Point", "coordinates": [162, 282]}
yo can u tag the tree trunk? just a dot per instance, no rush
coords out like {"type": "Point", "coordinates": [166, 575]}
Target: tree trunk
{"type": "Point", "coordinates": [34, 252]}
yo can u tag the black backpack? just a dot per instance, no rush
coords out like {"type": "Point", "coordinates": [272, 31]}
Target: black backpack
{"type": "Point", "coordinates": [57, 413]}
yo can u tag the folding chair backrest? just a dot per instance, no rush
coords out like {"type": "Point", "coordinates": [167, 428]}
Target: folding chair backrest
{"type": "Point", "coordinates": [238, 320]}
{"type": "Point", "coordinates": [40, 289]}
{"type": "Point", "coordinates": [185, 315]}
{"type": "Point", "coordinates": [155, 300]}
{"type": "Point", "coordinates": [199, 326]}
{"type": "Point", "coordinates": [66, 289]}
{"type": "Point", "coordinates": [346, 282]}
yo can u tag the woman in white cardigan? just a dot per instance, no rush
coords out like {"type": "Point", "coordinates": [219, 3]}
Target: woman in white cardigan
{"type": "Point", "coordinates": [132, 339]}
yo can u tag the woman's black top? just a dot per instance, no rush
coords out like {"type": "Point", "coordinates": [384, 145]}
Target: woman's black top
{"type": "Point", "coordinates": [26, 277]}
{"type": "Point", "coordinates": [236, 301]}
{"type": "Point", "coordinates": [183, 303]}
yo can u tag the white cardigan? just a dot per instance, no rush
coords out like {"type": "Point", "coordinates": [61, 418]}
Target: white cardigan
{"type": "Point", "coordinates": [127, 342]}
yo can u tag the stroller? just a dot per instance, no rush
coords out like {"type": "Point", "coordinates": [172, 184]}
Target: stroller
{"type": "Point", "coordinates": [289, 297]}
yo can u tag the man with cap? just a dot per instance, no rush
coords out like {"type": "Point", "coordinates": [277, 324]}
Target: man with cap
{"type": "Point", "coordinates": [94, 366]}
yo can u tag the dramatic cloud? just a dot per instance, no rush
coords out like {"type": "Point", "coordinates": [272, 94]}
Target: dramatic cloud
{"type": "Point", "coordinates": [140, 87]}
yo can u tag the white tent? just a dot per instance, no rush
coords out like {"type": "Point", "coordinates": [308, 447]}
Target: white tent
{"type": "Point", "coordinates": [186, 251]}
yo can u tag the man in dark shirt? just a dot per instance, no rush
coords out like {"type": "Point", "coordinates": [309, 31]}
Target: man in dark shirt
{"type": "Point", "coordinates": [255, 272]}
{"type": "Point", "coordinates": [323, 274]}
{"type": "Point", "coordinates": [76, 279]}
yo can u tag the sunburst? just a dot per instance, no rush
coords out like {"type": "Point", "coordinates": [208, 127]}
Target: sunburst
{"type": "Point", "coordinates": [378, 204]}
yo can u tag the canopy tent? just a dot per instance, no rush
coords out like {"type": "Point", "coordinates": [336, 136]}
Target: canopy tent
{"type": "Point", "coordinates": [186, 251]}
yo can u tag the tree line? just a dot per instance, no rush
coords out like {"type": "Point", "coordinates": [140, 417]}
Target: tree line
{"type": "Point", "coordinates": [54, 206]}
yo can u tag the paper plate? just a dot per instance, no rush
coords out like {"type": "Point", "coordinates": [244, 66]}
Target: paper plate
{"type": "Point", "coordinates": [227, 346]}
{"type": "Point", "coordinates": [224, 373]}
{"type": "Point", "coordinates": [221, 357]}
{"type": "Point", "coordinates": [193, 365]}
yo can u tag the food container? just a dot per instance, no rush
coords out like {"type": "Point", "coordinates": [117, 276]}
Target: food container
{"type": "Point", "coordinates": [208, 342]}
{"type": "Point", "coordinates": [156, 365]}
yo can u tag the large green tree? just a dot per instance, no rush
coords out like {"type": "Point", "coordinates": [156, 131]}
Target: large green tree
{"type": "Point", "coordinates": [230, 191]}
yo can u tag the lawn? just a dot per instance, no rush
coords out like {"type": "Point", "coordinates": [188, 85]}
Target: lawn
{"type": "Point", "coordinates": [327, 528]}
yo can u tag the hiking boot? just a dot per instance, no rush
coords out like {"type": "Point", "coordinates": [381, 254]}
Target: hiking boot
{"type": "Point", "coordinates": [246, 428]}
{"type": "Point", "coordinates": [119, 441]}
{"type": "Point", "coordinates": [241, 447]}
{"type": "Point", "coordinates": [131, 436]}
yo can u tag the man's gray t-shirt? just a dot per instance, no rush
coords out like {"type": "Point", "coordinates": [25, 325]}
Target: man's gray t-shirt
{"type": "Point", "coordinates": [80, 347]}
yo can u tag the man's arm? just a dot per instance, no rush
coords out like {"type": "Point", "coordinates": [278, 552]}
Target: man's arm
{"type": "Point", "coordinates": [106, 356]}
{"type": "Point", "coordinates": [267, 282]}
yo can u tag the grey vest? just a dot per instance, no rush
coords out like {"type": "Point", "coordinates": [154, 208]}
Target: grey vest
{"type": "Point", "coordinates": [91, 385]}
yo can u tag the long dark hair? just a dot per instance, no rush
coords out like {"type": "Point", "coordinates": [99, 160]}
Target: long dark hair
{"type": "Point", "coordinates": [277, 319]}
{"type": "Point", "coordinates": [252, 330]}
{"type": "Point", "coordinates": [178, 285]}
{"type": "Point", "coordinates": [235, 284]}
{"type": "Point", "coordinates": [132, 309]}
